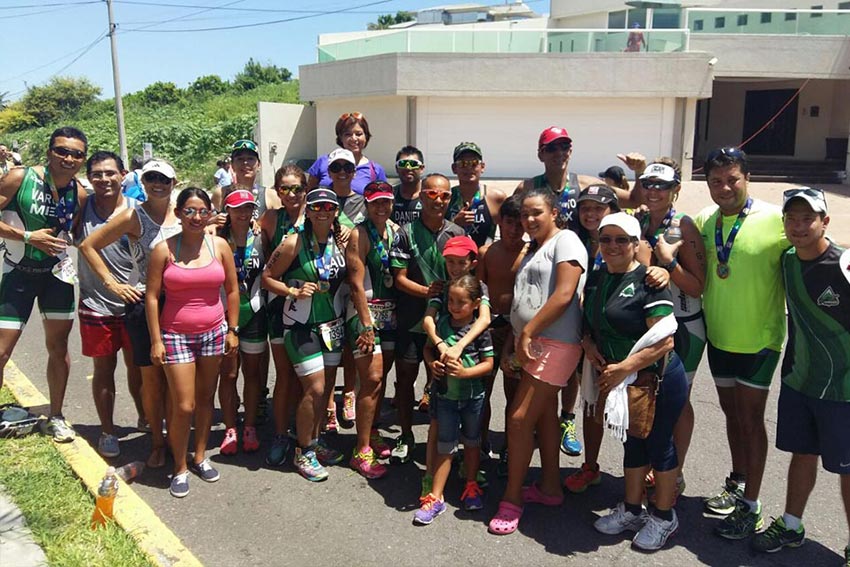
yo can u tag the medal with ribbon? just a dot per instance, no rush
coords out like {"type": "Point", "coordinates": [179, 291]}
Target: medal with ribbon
{"type": "Point", "coordinates": [242, 259]}
{"type": "Point", "coordinates": [65, 202]}
{"type": "Point", "coordinates": [323, 262]}
{"type": "Point", "coordinates": [381, 248]}
{"type": "Point", "coordinates": [662, 228]}
{"type": "Point", "coordinates": [725, 249]}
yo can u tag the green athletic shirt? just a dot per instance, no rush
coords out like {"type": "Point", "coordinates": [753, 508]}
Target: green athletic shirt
{"type": "Point", "coordinates": [616, 307]}
{"type": "Point", "coordinates": [817, 358]}
{"type": "Point", "coordinates": [421, 252]}
{"type": "Point", "coordinates": [284, 227]}
{"type": "Point", "coordinates": [480, 348]}
{"type": "Point", "coordinates": [745, 313]}
{"type": "Point", "coordinates": [320, 307]}
{"type": "Point", "coordinates": [33, 209]}
{"type": "Point", "coordinates": [374, 280]}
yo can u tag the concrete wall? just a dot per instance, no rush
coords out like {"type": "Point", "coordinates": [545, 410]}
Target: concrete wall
{"type": "Point", "coordinates": [284, 132]}
{"type": "Point", "coordinates": [565, 8]}
{"type": "Point", "coordinates": [727, 114]}
{"type": "Point", "coordinates": [388, 123]}
{"type": "Point", "coordinates": [595, 20]}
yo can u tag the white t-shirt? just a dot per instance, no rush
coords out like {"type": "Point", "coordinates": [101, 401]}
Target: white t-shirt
{"type": "Point", "coordinates": [535, 283]}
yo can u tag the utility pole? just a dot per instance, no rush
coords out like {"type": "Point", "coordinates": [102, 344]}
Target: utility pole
{"type": "Point", "coordinates": [116, 82]}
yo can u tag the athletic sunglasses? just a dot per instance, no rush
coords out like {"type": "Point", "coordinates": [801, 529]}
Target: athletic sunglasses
{"type": "Point", "coordinates": [322, 207]}
{"type": "Point", "coordinates": [435, 195]}
{"type": "Point", "coordinates": [618, 240]}
{"type": "Point", "coordinates": [467, 162]}
{"type": "Point", "coordinates": [244, 145]}
{"type": "Point", "coordinates": [336, 167]}
{"type": "Point", "coordinates": [409, 164]}
{"type": "Point", "coordinates": [553, 147]}
{"type": "Point", "coordinates": [658, 185]}
{"type": "Point", "coordinates": [65, 152]}
{"type": "Point", "coordinates": [156, 177]}
{"type": "Point", "coordinates": [291, 188]}
{"type": "Point", "coordinates": [729, 151]}
{"type": "Point", "coordinates": [192, 211]}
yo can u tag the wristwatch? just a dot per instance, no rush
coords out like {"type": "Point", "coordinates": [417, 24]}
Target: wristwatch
{"type": "Point", "coordinates": [232, 329]}
{"type": "Point", "coordinates": [672, 265]}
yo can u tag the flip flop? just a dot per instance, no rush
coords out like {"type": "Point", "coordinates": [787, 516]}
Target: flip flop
{"type": "Point", "coordinates": [506, 520]}
{"type": "Point", "coordinates": [533, 495]}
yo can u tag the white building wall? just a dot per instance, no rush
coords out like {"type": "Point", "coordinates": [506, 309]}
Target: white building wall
{"type": "Point", "coordinates": [284, 133]}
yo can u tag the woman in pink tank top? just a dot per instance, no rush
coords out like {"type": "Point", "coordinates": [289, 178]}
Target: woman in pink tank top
{"type": "Point", "coordinates": [190, 335]}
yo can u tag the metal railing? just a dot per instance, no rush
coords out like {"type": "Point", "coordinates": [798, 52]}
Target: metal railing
{"type": "Point", "coordinates": [768, 22]}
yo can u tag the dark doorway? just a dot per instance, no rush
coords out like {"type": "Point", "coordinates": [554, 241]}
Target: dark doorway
{"type": "Point", "coordinates": [778, 138]}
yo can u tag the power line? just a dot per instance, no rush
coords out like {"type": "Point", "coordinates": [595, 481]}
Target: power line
{"type": "Point", "coordinates": [49, 63]}
{"type": "Point", "coordinates": [77, 58]}
{"type": "Point", "coordinates": [269, 23]}
{"type": "Point", "coordinates": [42, 5]}
{"type": "Point", "coordinates": [203, 10]}
{"type": "Point", "coordinates": [224, 8]}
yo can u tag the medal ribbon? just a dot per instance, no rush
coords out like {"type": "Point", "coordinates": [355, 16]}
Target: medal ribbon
{"type": "Point", "coordinates": [379, 246]}
{"type": "Point", "coordinates": [476, 201]}
{"type": "Point", "coordinates": [724, 250]}
{"type": "Point", "coordinates": [66, 203]}
{"type": "Point", "coordinates": [241, 260]}
{"type": "Point", "coordinates": [323, 261]}
{"type": "Point", "coordinates": [665, 223]}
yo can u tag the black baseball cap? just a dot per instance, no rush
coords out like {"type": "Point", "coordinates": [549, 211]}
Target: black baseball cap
{"type": "Point", "coordinates": [601, 194]}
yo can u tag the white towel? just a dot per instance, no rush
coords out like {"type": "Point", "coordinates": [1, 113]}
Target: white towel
{"type": "Point", "coordinates": [617, 403]}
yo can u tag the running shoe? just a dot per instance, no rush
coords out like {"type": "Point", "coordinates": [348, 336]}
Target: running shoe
{"type": "Point", "coordinates": [655, 532]}
{"type": "Point", "coordinates": [349, 412]}
{"type": "Point", "coordinates": [740, 524]}
{"type": "Point", "coordinates": [205, 471]}
{"type": "Point", "coordinates": [620, 520]}
{"type": "Point", "coordinates": [179, 485]}
{"type": "Point", "coordinates": [331, 424]}
{"type": "Point", "coordinates": [429, 510]}
{"type": "Point", "coordinates": [586, 476]}
{"type": "Point", "coordinates": [366, 464]}
{"type": "Point", "coordinates": [570, 445]}
{"type": "Point", "coordinates": [471, 497]}
{"type": "Point", "coordinates": [107, 445]}
{"type": "Point", "coordinates": [230, 443]}
{"type": "Point", "coordinates": [424, 402]}
{"type": "Point", "coordinates": [777, 536]}
{"type": "Point", "coordinates": [250, 443]}
{"type": "Point", "coordinates": [276, 456]}
{"type": "Point", "coordinates": [724, 503]}
{"type": "Point", "coordinates": [328, 456]}
{"type": "Point", "coordinates": [379, 445]}
{"type": "Point", "coordinates": [427, 486]}
{"type": "Point", "coordinates": [308, 466]}
{"type": "Point", "coordinates": [58, 428]}
{"type": "Point", "coordinates": [404, 446]}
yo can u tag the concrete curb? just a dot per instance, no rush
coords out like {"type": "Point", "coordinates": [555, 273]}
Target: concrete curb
{"type": "Point", "coordinates": [131, 512]}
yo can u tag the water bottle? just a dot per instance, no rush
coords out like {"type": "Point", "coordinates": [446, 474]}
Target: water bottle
{"type": "Point", "coordinates": [536, 349]}
{"type": "Point", "coordinates": [105, 498]}
{"type": "Point", "coordinates": [673, 235]}
{"type": "Point", "coordinates": [130, 471]}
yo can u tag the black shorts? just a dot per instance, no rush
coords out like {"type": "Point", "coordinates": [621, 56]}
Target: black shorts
{"type": "Point", "coordinates": [731, 368]}
{"type": "Point", "coordinates": [810, 426]}
{"type": "Point", "coordinates": [409, 346]}
{"type": "Point", "coordinates": [20, 289]}
{"type": "Point", "coordinates": [137, 328]}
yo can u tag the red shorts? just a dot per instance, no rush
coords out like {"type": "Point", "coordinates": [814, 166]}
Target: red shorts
{"type": "Point", "coordinates": [102, 335]}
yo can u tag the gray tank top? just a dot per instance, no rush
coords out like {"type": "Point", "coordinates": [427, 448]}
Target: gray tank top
{"type": "Point", "coordinates": [116, 256]}
{"type": "Point", "coordinates": [151, 235]}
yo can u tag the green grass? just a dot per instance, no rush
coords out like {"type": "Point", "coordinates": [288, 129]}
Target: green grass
{"type": "Point", "coordinates": [58, 507]}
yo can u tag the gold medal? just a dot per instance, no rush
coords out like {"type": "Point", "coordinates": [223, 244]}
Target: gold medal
{"type": "Point", "coordinates": [723, 271]}
{"type": "Point", "coordinates": [324, 286]}
{"type": "Point", "coordinates": [388, 280]}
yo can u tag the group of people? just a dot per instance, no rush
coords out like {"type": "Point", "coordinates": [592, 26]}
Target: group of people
{"type": "Point", "coordinates": [588, 291]}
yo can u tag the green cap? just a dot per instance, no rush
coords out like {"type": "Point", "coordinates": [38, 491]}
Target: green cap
{"type": "Point", "coordinates": [244, 145]}
{"type": "Point", "coordinates": [466, 147]}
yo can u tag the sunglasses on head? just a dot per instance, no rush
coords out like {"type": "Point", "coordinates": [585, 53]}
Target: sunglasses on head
{"type": "Point", "coordinates": [291, 188]}
{"type": "Point", "coordinates": [801, 191]}
{"type": "Point", "coordinates": [336, 167]}
{"type": "Point", "coordinates": [65, 152]}
{"type": "Point", "coordinates": [192, 211]}
{"type": "Point", "coordinates": [156, 177]}
{"type": "Point", "coordinates": [320, 207]}
{"type": "Point", "coordinates": [658, 185]}
{"type": "Point", "coordinates": [409, 163]}
{"type": "Point", "coordinates": [467, 162]}
{"type": "Point", "coordinates": [354, 115]}
{"type": "Point", "coordinates": [244, 145]}
{"type": "Point", "coordinates": [729, 151]}
{"type": "Point", "coordinates": [618, 240]}
{"type": "Point", "coordinates": [436, 195]}
{"type": "Point", "coordinates": [557, 147]}
{"type": "Point", "coordinates": [377, 187]}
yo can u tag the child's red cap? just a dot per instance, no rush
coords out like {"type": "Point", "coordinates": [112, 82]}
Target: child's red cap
{"type": "Point", "coordinates": [460, 246]}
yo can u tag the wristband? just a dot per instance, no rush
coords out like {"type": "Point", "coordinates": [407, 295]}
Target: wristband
{"type": "Point", "coordinates": [672, 265]}
{"type": "Point", "coordinates": [440, 343]}
{"type": "Point", "coordinates": [27, 236]}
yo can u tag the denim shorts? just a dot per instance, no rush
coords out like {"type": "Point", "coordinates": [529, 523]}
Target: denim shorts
{"type": "Point", "coordinates": [458, 420]}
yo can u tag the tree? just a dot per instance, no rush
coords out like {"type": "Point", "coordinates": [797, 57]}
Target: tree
{"type": "Point", "coordinates": [255, 74]}
{"type": "Point", "coordinates": [159, 93]}
{"type": "Point", "coordinates": [61, 97]}
{"type": "Point", "coordinates": [207, 85]}
{"type": "Point", "coordinates": [388, 20]}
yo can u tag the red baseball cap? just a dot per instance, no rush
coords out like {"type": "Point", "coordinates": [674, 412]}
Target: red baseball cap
{"type": "Point", "coordinates": [553, 133]}
{"type": "Point", "coordinates": [377, 190]}
{"type": "Point", "coordinates": [460, 246]}
{"type": "Point", "coordinates": [238, 198]}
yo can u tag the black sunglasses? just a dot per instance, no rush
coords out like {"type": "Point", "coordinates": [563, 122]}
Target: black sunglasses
{"type": "Point", "coordinates": [729, 151]}
{"type": "Point", "coordinates": [65, 152]}
{"type": "Point", "coordinates": [156, 177]}
{"type": "Point", "coordinates": [336, 167]}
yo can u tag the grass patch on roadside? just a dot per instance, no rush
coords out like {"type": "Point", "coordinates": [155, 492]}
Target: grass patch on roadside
{"type": "Point", "coordinates": [58, 507]}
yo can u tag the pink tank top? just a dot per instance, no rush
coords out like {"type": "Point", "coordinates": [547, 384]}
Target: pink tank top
{"type": "Point", "coordinates": [192, 296]}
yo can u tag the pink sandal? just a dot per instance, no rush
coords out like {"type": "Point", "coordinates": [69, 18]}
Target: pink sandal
{"type": "Point", "coordinates": [533, 495]}
{"type": "Point", "coordinates": [506, 520]}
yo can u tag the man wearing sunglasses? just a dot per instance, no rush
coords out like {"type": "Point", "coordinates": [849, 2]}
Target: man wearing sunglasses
{"type": "Point", "coordinates": [473, 207]}
{"type": "Point", "coordinates": [419, 268]}
{"type": "Point", "coordinates": [744, 307]}
{"type": "Point", "coordinates": [409, 165]}
{"type": "Point", "coordinates": [38, 206]}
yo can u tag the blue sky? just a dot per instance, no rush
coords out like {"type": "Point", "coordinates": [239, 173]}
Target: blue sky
{"type": "Point", "coordinates": [41, 38]}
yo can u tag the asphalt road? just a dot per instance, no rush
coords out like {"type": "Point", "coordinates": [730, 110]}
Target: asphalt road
{"type": "Point", "coordinates": [258, 515]}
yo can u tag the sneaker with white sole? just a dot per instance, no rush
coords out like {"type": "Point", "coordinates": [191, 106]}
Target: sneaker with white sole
{"type": "Point", "coordinates": [58, 428]}
{"type": "Point", "coordinates": [620, 520]}
{"type": "Point", "coordinates": [205, 470]}
{"type": "Point", "coordinates": [179, 485]}
{"type": "Point", "coordinates": [655, 532]}
{"type": "Point", "coordinates": [107, 446]}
